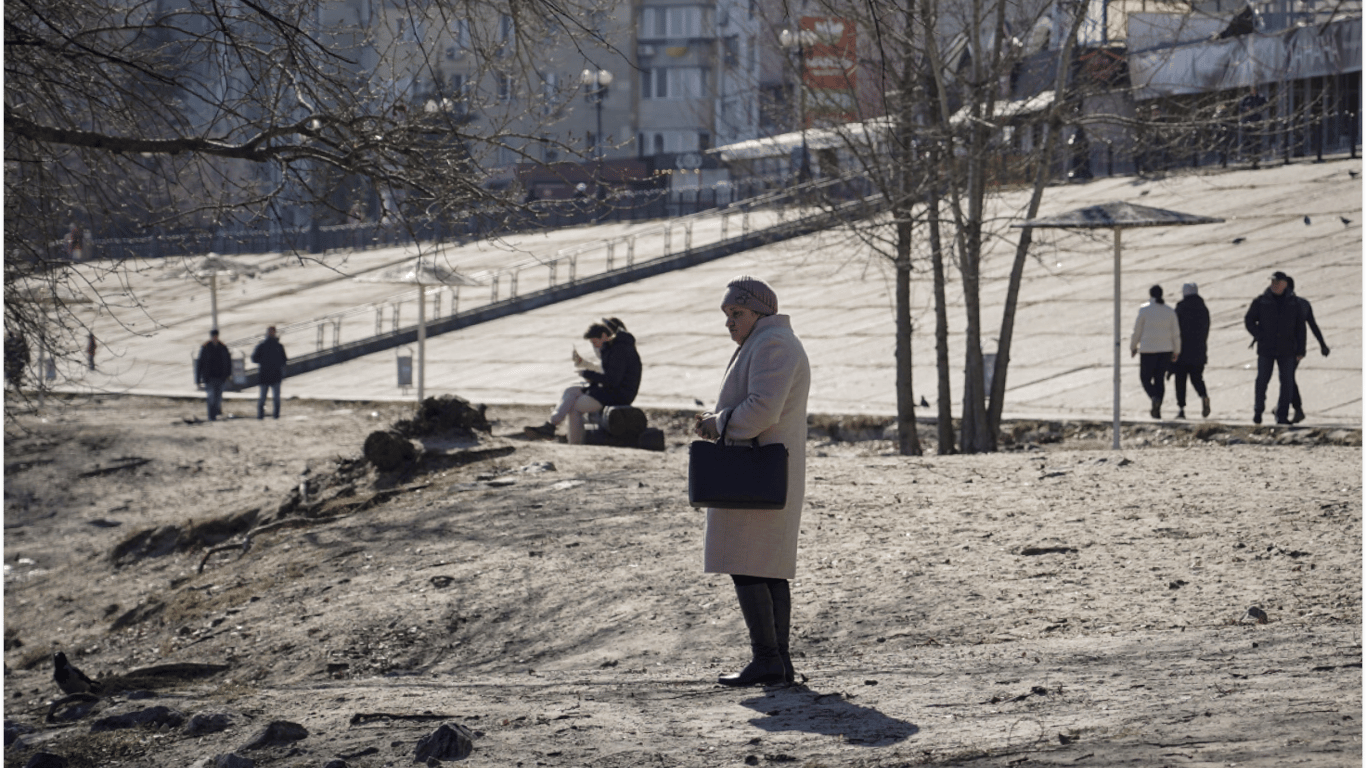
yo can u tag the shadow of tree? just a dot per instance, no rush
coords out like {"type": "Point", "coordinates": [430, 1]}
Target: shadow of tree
{"type": "Point", "coordinates": [798, 708]}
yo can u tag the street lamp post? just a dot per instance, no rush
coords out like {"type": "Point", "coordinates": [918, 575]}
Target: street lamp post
{"type": "Point", "coordinates": [596, 82]}
{"type": "Point", "coordinates": [790, 41]}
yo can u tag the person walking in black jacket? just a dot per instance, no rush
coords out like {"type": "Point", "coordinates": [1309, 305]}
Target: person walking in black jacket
{"type": "Point", "coordinates": [212, 370]}
{"type": "Point", "coordinates": [1193, 317]}
{"type": "Point", "coordinates": [1307, 318]}
{"type": "Point", "coordinates": [270, 358]}
{"type": "Point", "coordinates": [1276, 323]}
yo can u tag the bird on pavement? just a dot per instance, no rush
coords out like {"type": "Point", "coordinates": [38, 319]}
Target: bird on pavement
{"type": "Point", "coordinates": [70, 679]}
{"type": "Point", "coordinates": [1306, 221]}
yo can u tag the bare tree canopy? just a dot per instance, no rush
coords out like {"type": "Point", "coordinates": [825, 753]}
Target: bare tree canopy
{"type": "Point", "coordinates": [133, 115]}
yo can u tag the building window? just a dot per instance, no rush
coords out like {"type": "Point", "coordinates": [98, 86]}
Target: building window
{"type": "Point", "coordinates": [460, 37]}
{"type": "Point", "coordinates": [675, 21]}
{"type": "Point", "coordinates": [506, 32]}
{"type": "Point", "coordinates": [505, 90]}
{"type": "Point", "coordinates": [411, 29]}
{"type": "Point", "coordinates": [672, 83]}
{"type": "Point", "coordinates": [550, 93]}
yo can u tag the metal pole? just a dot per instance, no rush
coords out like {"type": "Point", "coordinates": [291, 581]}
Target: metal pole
{"type": "Point", "coordinates": [213, 300]}
{"type": "Point", "coordinates": [1117, 355]}
{"type": "Point", "coordinates": [421, 339]}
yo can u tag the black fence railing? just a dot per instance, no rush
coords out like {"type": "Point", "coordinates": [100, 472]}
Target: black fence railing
{"type": "Point", "coordinates": [479, 223]}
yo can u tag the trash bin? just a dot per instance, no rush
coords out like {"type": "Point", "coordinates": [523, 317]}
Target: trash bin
{"type": "Point", "coordinates": [405, 368]}
{"type": "Point", "coordinates": [239, 370]}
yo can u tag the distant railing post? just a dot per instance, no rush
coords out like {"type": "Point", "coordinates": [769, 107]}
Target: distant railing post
{"type": "Point", "coordinates": [744, 223]}
{"type": "Point", "coordinates": [493, 295]}
{"type": "Point", "coordinates": [512, 283]}
{"type": "Point", "coordinates": [687, 237]}
{"type": "Point", "coordinates": [397, 304]}
{"type": "Point", "coordinates": [554, 266]}
{"type": "Point", "coordinates": [611, 248]}
{"type": "Point", "coordinates": [631, 251]}
{"type": "Point", "coordinates": [322, 329]}
{"type": "Point", "coordinates": [573, 268]}
{"type": "Point", "coordinates": [455, 300]}
{"type": "Point", "coordinates": [668, 232]}
{"type": "Point", "coordinates": [336, 333]}
{"type": "Point", "coordinates": [379, 320]}
{"type": "Point", "coordinates": [724, 219]}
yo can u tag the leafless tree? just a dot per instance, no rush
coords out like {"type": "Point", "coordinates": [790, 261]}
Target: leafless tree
{"type": "Point", "coordinates": [134, 118]}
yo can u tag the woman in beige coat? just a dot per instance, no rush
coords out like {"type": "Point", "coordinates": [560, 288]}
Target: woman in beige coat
{"type": "Point", "coordinates": [763, 395]}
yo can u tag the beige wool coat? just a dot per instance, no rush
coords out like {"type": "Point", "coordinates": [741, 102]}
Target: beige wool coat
{"type": "Point", "coordinates": [763, 395]}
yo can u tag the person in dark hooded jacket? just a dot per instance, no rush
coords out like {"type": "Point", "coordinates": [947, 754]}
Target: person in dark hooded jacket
{"type": "Point", "coordinates": [1193, 317]}
{"type": "Point", "coordinates": [1275, 320]}
{"type": "Point", "coordinates": [1307, 318]}
{"type": "Point", "coordinates": [616, 384]}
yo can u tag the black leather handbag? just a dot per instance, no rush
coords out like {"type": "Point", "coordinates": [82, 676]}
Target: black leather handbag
{"type": "Point", "coordinates": [745, 476]}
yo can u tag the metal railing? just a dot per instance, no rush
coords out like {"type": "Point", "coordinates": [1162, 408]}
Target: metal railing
{"type": "Point", "coordinates": [643, 250]}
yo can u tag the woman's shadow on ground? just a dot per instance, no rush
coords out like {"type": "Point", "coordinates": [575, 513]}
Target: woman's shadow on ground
{"type": "Point", "coordinates": [798, 708]}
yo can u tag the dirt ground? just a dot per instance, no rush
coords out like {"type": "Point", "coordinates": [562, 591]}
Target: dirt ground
{"type": "Point", "coordinates": [1054, 604]}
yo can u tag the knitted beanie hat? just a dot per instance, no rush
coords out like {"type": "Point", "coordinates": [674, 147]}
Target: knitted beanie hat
{"type": "Point", "coordinates": [751, 293]}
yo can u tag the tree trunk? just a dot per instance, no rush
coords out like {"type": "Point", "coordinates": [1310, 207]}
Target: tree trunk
{"type": "Point", "coordinates": [903, 209]}
{"type": "Point", "coordinates": [1041, 174]}
{"type": "Point", "coordinates": [907, 438]}
{"type": "Point", "coordinates": [947, 444]}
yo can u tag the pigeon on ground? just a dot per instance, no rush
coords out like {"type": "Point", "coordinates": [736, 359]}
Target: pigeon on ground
{"type": "Point", "coordinates": [1238, 240]}
{"type": "Point", "coordinates": [1346, 222]}
{"type": "Point", "coordinates": [70, 679]}
{"type": "Point", "coordinates": [1306, 221]}
{"type": "Point", "coordinates": [1256, 613]}
{"type": "Point", "coordinates": [923, 402]}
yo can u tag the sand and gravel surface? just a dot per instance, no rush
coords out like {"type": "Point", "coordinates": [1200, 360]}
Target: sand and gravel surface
{"type": "Point", "coordinates": [1054, 604]}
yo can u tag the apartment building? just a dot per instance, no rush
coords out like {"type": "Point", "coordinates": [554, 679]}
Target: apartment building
{"type": "Point", "coordinates": [649, 81]}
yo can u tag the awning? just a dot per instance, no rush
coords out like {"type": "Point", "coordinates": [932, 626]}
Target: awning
{"type": "Point", "coordinates": [862, 134]}
{"type": "Point", "coordinates": [1005, 110]}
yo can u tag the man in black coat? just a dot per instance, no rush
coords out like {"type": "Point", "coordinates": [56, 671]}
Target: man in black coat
{"type": "Point", "coordinates": [270, 358]}
{"type": "Point", "coordinates": [1193, 318]}
{"type": "Point", "coordinates": [1306, 317]}
{"type": "Point", "coordinates": [1276, 323]}
{"type": "Point", "coordinates": [212, 370]}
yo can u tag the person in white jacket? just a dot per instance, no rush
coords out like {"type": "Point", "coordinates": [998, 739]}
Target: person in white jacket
{"type": "Point", "coordinates": [1157, 337]}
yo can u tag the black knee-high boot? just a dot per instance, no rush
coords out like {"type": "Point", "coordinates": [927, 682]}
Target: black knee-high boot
{"type": "Point", "coordinates": [756, 605]}
{"type": "Point", "coordinates": [781, 593]}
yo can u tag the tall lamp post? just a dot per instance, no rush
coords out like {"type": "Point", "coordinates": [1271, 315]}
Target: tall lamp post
{"type": "Point", "coordinates": [595, 81]}
{"type": "Point", "coordinates": [796, 41]}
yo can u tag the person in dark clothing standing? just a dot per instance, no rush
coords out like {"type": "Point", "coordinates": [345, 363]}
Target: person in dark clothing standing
{"type": "Point", "coordinates": [1306, 317]}
{"type": "Point", "coordinates": [616, 384]}
{"type": "Point", "coordinates": [270, 356]}
{"type": "Point", "coordinates": [1275, 321]}
{"type": "Point", "coordinates": [212, 370]}
{"type": "Point", "coordinates": [1193, 317]}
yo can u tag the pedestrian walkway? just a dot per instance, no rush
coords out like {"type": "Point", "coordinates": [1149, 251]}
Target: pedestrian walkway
{"type": "Point", "coordinates": [1304, 219]}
